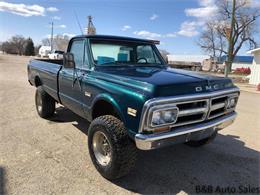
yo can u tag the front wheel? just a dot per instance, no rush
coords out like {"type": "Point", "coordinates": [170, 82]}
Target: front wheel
{"type": "Point", "coordinates": [110, 148]}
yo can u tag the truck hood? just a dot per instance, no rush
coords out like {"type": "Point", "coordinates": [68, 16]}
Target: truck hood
{"type": "Point", "coordinates": [166, 81]}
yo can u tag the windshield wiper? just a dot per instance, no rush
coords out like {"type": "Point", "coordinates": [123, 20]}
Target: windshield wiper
{"type": "Point", "coordinates": [150, 65]}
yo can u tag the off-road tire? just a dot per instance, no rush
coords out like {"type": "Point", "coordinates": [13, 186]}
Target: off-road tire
{"type": "Point", "coordinates": [202, 142]}
{"type": "Point", "coordinates": [47, 103]}
{"type": "Point", "coordinates": [123, 149]}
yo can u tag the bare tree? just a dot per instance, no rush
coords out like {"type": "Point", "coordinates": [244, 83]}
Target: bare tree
{"type": "Point", "coordinates": [19, 42]}
{"type": "Point", "coordinates": [211, 40]}
{"type": "Point", "coordinates": [5, 47]}
{"type": "Point", "coordinates": [215, 37]}
{"type": "Point", "coordinates": [46, 42]}
{"type": "Point", "coordinates": [60, 42]}
{"type": "Point", "coordinates": [15, 45]}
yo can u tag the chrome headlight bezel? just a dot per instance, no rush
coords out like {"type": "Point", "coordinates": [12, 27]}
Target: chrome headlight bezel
{"type": "Point", "coordinates": [231, 102]}
{"type": "Point", "coordinates": [161, 109]}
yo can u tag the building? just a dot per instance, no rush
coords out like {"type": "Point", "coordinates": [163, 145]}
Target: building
{"type": "Point", "coordinates": [255, 67]}
{"type": "Point", "coordinates": [239, 61]}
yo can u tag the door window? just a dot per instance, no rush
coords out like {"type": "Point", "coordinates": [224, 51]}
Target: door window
{"type": "Point", "coordinates": [77, 48]}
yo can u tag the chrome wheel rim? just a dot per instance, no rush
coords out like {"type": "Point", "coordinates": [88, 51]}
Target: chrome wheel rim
{"type": "Point", "coordinates": [38, 102]}
{"type": "Point", "coordinates": [101, 148]}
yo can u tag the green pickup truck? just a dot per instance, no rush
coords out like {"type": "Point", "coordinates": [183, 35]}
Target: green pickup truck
{"type": "Point", "coordinates": [132, 98]}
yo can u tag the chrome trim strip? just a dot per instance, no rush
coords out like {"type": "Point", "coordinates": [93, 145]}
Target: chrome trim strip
{"type": "Point", "coordinates": [144, 141]}
{"type": "Point", "coordinates": [188, 112]}
{"type": "Point", "coordinates": [217, 106]}
{"type": "Point", "coordinates": [182, 98]}
{"type": "Point", "coordinates": [216, 115]}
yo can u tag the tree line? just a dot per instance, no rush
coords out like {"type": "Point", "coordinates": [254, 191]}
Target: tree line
{"type": "Point", "coordinates": [19, 45]}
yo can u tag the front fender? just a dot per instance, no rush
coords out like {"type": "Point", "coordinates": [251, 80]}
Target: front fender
{"type": "Point", "coordinates": [107, 97]}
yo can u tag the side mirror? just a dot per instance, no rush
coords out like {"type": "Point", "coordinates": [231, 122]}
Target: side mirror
{"type": "Point", "coordinates": [68, 60]}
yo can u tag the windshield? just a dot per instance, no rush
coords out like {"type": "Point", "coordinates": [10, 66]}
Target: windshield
{"type": "Point", "coordinates": [124, 53]}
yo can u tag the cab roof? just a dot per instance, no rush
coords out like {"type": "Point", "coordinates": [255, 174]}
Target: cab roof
{"type": "Point", "coordinates": [112, 37]}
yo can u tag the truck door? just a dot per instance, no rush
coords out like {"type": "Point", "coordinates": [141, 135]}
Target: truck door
{"type": "Point", "coordinates": [88, 90]}
{"type": "Point", "coordinates": [70, 79]}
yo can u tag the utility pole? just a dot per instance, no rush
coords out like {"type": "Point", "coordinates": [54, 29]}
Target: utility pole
{"type": "Point", "coordinates": [51, 36]}
{"type": "Point", "coordinates": [230, 41]}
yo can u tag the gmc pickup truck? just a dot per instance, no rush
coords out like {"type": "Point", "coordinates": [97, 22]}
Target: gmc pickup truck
{"type": "Point", "coordinates": [132, 99]}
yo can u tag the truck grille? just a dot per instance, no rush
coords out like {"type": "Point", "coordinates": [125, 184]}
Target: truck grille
{"type": "Point", "coordinates": [194, 109]}
{"type": "Point", "coordinates": [200, 110]}
{"type": "Point", "coordinates": [217, 107]}
{"type": "Point", "coordinates": [192, 112]}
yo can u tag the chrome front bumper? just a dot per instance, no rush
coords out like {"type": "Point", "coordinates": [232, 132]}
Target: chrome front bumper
{"type": "Point", "coordinates": [183, 134]}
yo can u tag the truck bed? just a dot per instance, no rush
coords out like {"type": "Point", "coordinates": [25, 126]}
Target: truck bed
{"type": "Point", "coordinates": [45, 71]}
{"type": "Point", "coordinates": [52, 61]}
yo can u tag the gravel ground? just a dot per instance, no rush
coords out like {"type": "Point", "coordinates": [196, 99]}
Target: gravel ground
{"type": "Point", "coordinates": [40, 156]}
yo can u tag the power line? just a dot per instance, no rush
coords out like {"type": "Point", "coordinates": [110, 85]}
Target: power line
{"type": "Point", "coordinates": [51, 36]}
{"type": "Point", "coordinates": [77, 19]}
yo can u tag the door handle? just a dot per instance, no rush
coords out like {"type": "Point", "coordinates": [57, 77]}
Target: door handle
{"type": "Point", "coordinates": [81, 76]}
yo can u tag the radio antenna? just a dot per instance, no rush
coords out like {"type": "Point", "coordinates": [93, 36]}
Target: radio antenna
{"type": "Point", "coordinates": [76, 16]}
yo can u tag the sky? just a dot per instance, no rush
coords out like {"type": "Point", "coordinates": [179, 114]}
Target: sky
{"type": "Point", "coordinates": [176, 23]}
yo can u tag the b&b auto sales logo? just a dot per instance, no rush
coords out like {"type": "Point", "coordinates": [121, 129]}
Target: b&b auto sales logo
{"type": "Point", "coordinates": [241, 189]}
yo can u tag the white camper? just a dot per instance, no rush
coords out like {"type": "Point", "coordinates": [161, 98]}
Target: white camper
{"type": "Point", "coordinates": [44, 51]}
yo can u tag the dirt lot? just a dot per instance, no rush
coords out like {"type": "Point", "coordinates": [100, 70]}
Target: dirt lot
{"type": "Point", "coordinates": [40, 156]}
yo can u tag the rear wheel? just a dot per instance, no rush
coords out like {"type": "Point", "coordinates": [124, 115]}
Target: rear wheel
{"type": "Point", "coordinates": [45, 104]}
{"type": "Point", "coordinates": [111, 150]}
{"type": "Point", "coordinates": [203, 141]}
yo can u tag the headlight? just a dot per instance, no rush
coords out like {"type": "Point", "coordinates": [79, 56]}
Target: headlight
{"type": "Point", "coordinates": [231, 102]}
{"type": "Point", "coordinates": [162, 117]}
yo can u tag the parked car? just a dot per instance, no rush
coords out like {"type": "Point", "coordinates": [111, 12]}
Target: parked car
{"type": "Point", "coordinates": [132, 98]}
{"type": "Point", "coordinates": [56, 54]}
